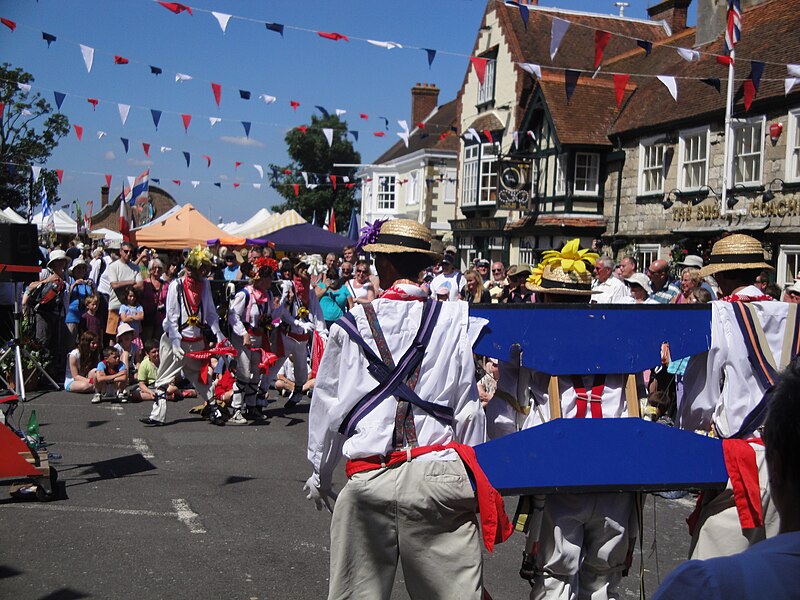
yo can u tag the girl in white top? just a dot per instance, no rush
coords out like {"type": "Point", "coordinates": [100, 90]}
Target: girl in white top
{"type": "Point", "coordinates": [81, 363]}
{"type": "Point", "coordinates": [361, 286]}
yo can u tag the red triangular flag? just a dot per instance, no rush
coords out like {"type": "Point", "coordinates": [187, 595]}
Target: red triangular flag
{"type": "Point", "coordinates": [480, 67]}
{"type": "Point", "coordinates": [302, 128]}
{"type": "Point", "coordinates": [236, 185]}
{"type": "Point", "coordinates": [420, 125]}
{"type": "Point", "coordinates": [601, 39]}
{"type": "Point", "coordinates": [176, 181]}
{"type": "Point", "coordinates": [620, 81]}
{"type": "Point", "coordinates": [333, 180]}
{"type": "Point", "coordinates": [749, 93]}
{"type": "Point", "coordinates": [364, 116]}
{"type": "Point", "coordinates": [333, 36]}
{"type": "Point", "coordinates": [378, 133]}
{"type": "Point", "coordinates": [332, 222]}
{"type": "Point", "coordinates": [296, 187]}
{"type": "Point", "coordinates": [208, 159]}
{"type": "Point", "coordinates": [176, 7]}
{"type": "Point", "coordinates": [108, 181]}
{"type": "Point", "coordinates": [287, 171]}
{"type": "Point", "coordinates": [488, 135]}
{"type": "Point", "coordinates": [186, 120]}
{"type": "Point", "coordinates": [93, 102]}
{"type": "Point", "coordinates": [78, 131]}
{"type": "Point", "coordinates": [236, 165]}
{"type": "Point", "coordinates": [724, 60]}
{"type": "Point", "coordinates": [60, 175]}
{"type": "Point", "coordinates": [349, 186]}
{"type": "Point", "coordinates": [294, 104]}
{"type": "Point", "coordinates": [442, 135]}
{"type": "Point", "coordinates": [120, 60]}
{"type": "Point", "coordinates": [146, 148]}
{"type": "Point", "coordinates": [8, 23]}
{"type": "Point", "coordinates": [2, 108]}
{"type": "Point", "coordinates": [217, 89]}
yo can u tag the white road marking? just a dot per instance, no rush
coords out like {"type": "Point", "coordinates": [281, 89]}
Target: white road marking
{"type": "Point", "coordinates": [115, 407]}
{"type": "Point", "coordinates": [96, 445]}
{"type": "Point", "coordinates": [187, 516]}
{"type": "Point", "coordinates": [142, 447]}
{"type": "Point", "coordinates": [90, 509]}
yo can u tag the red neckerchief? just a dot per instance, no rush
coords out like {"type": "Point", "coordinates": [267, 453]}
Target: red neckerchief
{"type": "Point", "coordinates": [193, 292]}
{"type": "Point", "coordinates": [301, 290]}
{"type": "Point", "coordinates": [738, 298]}
{"type": "Point", "coordinates": [405, 291]}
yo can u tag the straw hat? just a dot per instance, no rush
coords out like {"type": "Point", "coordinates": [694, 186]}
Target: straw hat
{"type": "Point", "coordinates": [515, 270]}
{"type": "Point", "coordinates": [401, 236]}
{"type": "Point", "coordinates": [737, 251]}
{"type": "Point", "coordinates": [556, 280]}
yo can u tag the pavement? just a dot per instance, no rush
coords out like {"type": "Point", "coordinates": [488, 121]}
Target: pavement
{"type": "Point", "coordinates": [189, 510]}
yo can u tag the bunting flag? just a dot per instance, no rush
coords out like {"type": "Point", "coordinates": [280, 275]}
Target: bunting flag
{"type": "Point", "coordinates": [35, 170]}
{"type": "Point", "coordinates": [176, 181]}
{"type": "Point", "coordinates": [480, 67]}
{"type": "Point", "coordinates": [208, 160]}
{"type": "Point", "coordinates": [364, 116]}
{"type": "Point", "coordinates": [2, 108]}
{"type": "Point", "coordinates": [156, 114]}
{"type": "Point", "coordinates": [749, 93]}
{"type": "Point", "coordinates": [146, 148]}
{"type": "Point", "coordinates": [276, 27]}
{"type": "Point", "coordinates": [108, 181]}
{"type": "Point", "coordinates": [296, 188]}
{"type": "Point", "coordinates": [236, 185]}
{"type": "Point", "coordinates": [332, 223]}
{"type": "Point", "coordinates": [188, 158]}
{"type": "Point", "coordinates": [793, 70]}
{"type": "Point", "coordinates": [155, 70]}
{"type": "Point", "coordinates": [378, 133]}
{"type": "Point", "coordinates": [195, 183]}
{"type": "Point", "coordinates": [601, 39]}
{"type": "Point", "coordinates": [733, 28]}
{"type": "Point", "coordinates": [78, 132]}
{"type": "Point", "coordinates": [93, 102]}
{"type": "Point", "coordinates": [328, 133]}
{"type": "Point", "coordinates": [385, 122]}
{"type": "Point", "coordinates": [620, 82]}
{"type": "Point", "coordinates": [60, 175]}
{"type": "Point", "coordinates": [222, 19]}
{"type": "Point", "coordinates": [246, 126]}
{"type": "Point", "coordinates": [327, 221]}
{"type": "Point", "coordinates": [724, 60]}
{"type": "Point", "coordinates": [181, 77]}
{"type": "Point", "coordinates": [267, 98]}
{"type": "Point", "coordinates": [324, 112]}
{"type": "Point", "coordinates": [387, 45]}
{"type": "Point", "coordinates": [294, 104]}
{"type": "Point", "coordinates": [218, 184]}
{"type": "Point", "coordinates": [340, 112]}
{"type": "Point", "coordinates": [165, 149]}
{"type": "Point", "coordinates": [353, 232]}
{"type": "Point", "coordinates": [59, 96]}
{"type": "Point", "coordinates": [176, 7]}
{"type": "Point", "coordinates": [49, 38]}
{"type": "Point", "coordinates": [186, 120]}
{"type": "Point", "coordinates": [473, 133]}
{"type": "Point", "coordinates": [571, 82]}
{"type": "Point", "coordinates": [26, 87]}
{"type": "Point", "coordinates": [214, 120]}
{"type": "Point", "coordinates": [236, 165]}
{"type": "Point", "coordinates": [302, 129]}
{"type": "Point", "coordinates": [88, 57]}
{"type": "Point", "coordinates": [688, 54]}
{"type": "Point", "coordinates": [756, 72]}
{"type": "Point", "coordinates": [244, 94]}
{"type": "Point", "coordinates": [646, 46]}
{"type": "Point", "coordinates": [488, 135]}
{"type": "Point", "coordinates": [534, 70]}
{"type": "Point", "coordinates": [713, 82]}
{"type": "Point", "coordinates": [354, 134]}
{"type": "Point", "coordinates": [332, 36]}
{"type": "Point", "coordinates": [124, 109]}
{"type": "Point", "coordinates": [217, 89]}
{"type": "Point", "coordinates": [671, 85]}
{"type": "Point", "coordinates": [788, 84]}
{"type": "Point", "coordinates": [431, 55]}
{"type": "Point", "coordinates": [332, 179]}
{"type": "Point", "coordinates": [125, 144]}
{"type": "Point", "coordinates": [8, 23]}
{"type": "Point", "coordinates": [557, 31]}
{"type": "Point", "coordinates": [120, 60]}
{"type": "Point", "coordinates": [260, 170]}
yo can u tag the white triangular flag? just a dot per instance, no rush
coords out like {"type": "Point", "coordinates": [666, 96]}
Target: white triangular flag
{"type": "Point", "coordinates": [260, 170]}
{"type": "Point", "coordinates": [534, 70]}
{"type": "Point", "coordinates": [24, 87]}
{"type": "Point", "coordinates": [267, 98]}
{"type": "Point", "coordinates": [214, 120]}
{"type": "Point", "coordinates": [403, 125]}
{"type": "Point", "coordinates": [181, 77]}
{"type": "Point", "coordinates": [257, 186]}
{"type": "Point", "coordinates": [473, 133]}
{"type": "Point", "coordinates": [557, 32]}
{"type": "Point", "coordinates": [328, 135]}
{"type": "Point", "coordinates": [88, 56]}
{"type": "Point", "coordinates": [27, 112]}
{"type": "Point", "coordinates": [313, 186]}
{"type": "Point", "coordinates": [403, 135]}
{"type": "Point", "coordinates": [669, 81]}
{"type": "Point", "coordinates": [195, 183]}
{"type": "Point", "coordinates": [123, 112]}
{"type": "Point", "coordinates": [794, 70]}
{"type": "Point", "coordinates": [516, 140]}
{"type": "Point", "coordinates": [166, 149]}
{"type": "Point", "coordinates": [222, 19]}
{"type": "Point", "coordinates": [131, 181]}
{"type": "Point", "coordinates": [36, 170]}
{"type": "Point", "coordinates": [788, 84]}
{"type": "Point", "coordinates": [340, 112]}
{"type": "Point", "coordinates": [346, 179]}
{"type": "Point", "coordinates": [387, 45]}
{"type": "Point", "coordinates": [689, 54]}
{"type": "Point", "coordinates": [101, 135]}
{"type": "Point", "coordinates": [305, 177]}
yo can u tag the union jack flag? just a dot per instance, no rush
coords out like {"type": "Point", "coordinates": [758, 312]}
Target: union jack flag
{"type": "Point", "coordinates": [733, 30]}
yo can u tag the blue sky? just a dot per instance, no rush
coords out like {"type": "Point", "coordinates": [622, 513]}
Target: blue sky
{"type": "Point", "coordinates": [301, 66]}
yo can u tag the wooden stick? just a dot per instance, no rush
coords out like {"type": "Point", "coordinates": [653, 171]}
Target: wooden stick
{"type": "Point", "coordinates": [554, 398]}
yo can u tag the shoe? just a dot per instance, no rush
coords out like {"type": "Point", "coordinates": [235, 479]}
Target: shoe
{"type": "Point", "coordinates": [293, 401]}
{"type": "Point", "coordinates": [122, 397]}
{"type": "Point", "coordinates": [255, 414]}
{"type": "Point", "coordinates": [97, 398]}
{"type": "Point", "coordinates": [237, 419]}
{"type": "Point", "coordinates": [284, 393]}
{"type": "Point", "coordinates": [309, 393]}
{"type": "Point", "coordinates": [216, 417]}
{"type": "Point", "coordinates": [149, 421]}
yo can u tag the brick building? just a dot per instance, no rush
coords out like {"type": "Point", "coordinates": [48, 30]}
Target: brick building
{"type": "Point", "coordinates": [108, 215]}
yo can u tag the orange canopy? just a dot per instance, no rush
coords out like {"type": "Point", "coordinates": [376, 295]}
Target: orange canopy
{"type": "Point", "coordinates": [185, 228]}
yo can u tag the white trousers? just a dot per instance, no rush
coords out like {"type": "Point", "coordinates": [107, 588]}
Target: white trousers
{"type": "Point", "coordinates": [583, 546]}
{"type": "Point", "coordinates": [420, 512]}
{"type": "Point", "coordinates": [248, 377]}
{"type": "Point", "coordinates": [171, 367]}
{"type": "Point", "coordinates": [297, 352]}
{"type": "Point", "coordinates": [718, 531]}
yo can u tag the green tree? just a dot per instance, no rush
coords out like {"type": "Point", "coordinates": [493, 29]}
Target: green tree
{"type": "Point", "coordinates": [310, 153]}
{"type": "Point", "coordinates": [29, 132]}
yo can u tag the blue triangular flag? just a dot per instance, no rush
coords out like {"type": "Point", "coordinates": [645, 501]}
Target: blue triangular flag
{"type": "Point", "coordinates": [276, 27]}
{"type": "Point", "coordinates": [646, 46]}
{"type": "Point", "coordinates": [49, 38]}
{"type": "Point", "coordinates": [218, 184]}
{"type": "Point", "coordinates": [431, 56]}
{"type": "Point", "coordinates": [156, 116]}
{"type": "Point", "coordinates": [59, 99]}
{"type": "Point", "coordinates": [125, 144]}
{"type": "Point", "coordinates": [756, 71]}
{"type": "Point", "coordinates": [155, 70]}
{"type": "Point", "coordinates": [713, 82]}
{"type": "Point", "coordinates": [156, 180]}
{"type": "Point", "coordinates": [353, 231]}
{"type": "Point", "coordinates": [244, 94]}
{"type": "Point", "coordinates": [187, 157]}
{"type": "Point", "coordinates": [571, 81]}
{"type": "Point", "coordinates": [354, 134]}
{"type": "Point", "coordinates": [324, 112]}
{"type": "Point", "coordinates": [387, 122]}
{"type": "Point", "coordinates": [246, 125]}
{"type": "Point", "coordinates": [523, 12]}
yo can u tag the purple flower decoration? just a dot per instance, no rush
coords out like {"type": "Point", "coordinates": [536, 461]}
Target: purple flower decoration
{"type": "Point", "coordinates": [369, 233]}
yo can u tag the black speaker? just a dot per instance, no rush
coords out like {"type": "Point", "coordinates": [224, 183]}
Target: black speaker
{"type": "Point", "coordinates": [20, 259]}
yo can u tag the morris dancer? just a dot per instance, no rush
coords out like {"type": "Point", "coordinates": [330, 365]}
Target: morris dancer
{"type": "Point", "coordinates": [189, 311]}
{"type": "Point", "coordinates": [396, 395]}
{"type": "Point", "coordinates": [301, 317]}
{"type": "Point", "coordinates": [250, 318]}
{"type": "Point", "coordinates": [752, 339]}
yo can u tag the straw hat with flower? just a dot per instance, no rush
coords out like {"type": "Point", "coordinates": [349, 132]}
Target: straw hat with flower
{"type": "Point", "coordinates": [734, 252]}
{"type": "Point", "coordinates": [396, 237]}
{"type": "Point", "coordinates": [566, 271]}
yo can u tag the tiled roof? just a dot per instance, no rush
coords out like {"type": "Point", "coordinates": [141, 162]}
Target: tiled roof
{"type": "Point", "coordinates": [487, 121]}
{"type": "Point", "coordinates": [428, 138]}
{"type": "Point", "coordinates": [557, 221]}
{"type": "Point", "coordinates": [585, 119]}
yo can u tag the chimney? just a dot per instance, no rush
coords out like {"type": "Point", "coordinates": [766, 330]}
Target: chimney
{"type": "Point", "coordinates": [424, 98]}
{"type": "Point", "coordinates": [712, 16]}
{"type": "Point", "coordinates": [103, 196]}
{"type": "Point", "coordinates": [674, 12]}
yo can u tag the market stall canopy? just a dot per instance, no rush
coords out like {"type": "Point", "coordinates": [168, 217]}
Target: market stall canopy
{"type": "Point", "coordinates": [184, 228]}
{"type": "Point", "coordinates": [64, 224]}
{"type": "Point", "coordinates": [11, 217]}
{"type": "Point", "coordinates": [307, 238]}
{"type": "Point", "coordinates": [272, 223]}
{"type": "Point", "coordinates": [108, 235]}
{"type": "Point", "coordinates": [253, 223]}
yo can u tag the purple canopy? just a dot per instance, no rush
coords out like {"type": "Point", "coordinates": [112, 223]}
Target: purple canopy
{"type": "Point", "coordinates": [306, 238]}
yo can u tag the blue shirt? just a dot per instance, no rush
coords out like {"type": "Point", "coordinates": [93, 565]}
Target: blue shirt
{"type": "Point", "coordinates": [230, 274]}
{"type": "Point", "coordinates": [333, 302]}
{"type": "Point", "coordinates": [74, 310]}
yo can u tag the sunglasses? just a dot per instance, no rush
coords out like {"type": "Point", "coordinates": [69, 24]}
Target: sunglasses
{"type": "Point", "coordinates": [124, 251]}
{"type": "Point", "coordinates": [497, 270]}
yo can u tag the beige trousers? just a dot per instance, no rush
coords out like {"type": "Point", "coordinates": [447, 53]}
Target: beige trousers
{"type": "Point", "coordinates": [422, 512]}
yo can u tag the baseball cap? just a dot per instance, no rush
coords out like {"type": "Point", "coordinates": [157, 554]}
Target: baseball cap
{"type": "Point", "coordinates": [451, 250]}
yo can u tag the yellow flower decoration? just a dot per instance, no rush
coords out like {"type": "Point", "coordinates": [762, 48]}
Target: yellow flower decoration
{"type": "Point", "coordinates": [193, 321]}
{"type": "Point", "coordinates": [198, 257]}
{"type": "Point", "coordinates": [302, 313]}
{"type": "Point", "coordinates": [570, 258]}
{"type": "Point", "coordinates": [535, 278]}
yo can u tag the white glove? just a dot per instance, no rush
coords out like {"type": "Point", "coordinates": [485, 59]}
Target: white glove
{"type": "Point", "coordinates": [321, 498]}
{"type": "Point", "coordinates": [306, 326]}
{"type": "Point", "coordinates": [177, 350]}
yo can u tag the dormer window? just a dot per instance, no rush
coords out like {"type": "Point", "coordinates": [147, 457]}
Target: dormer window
{"type": "Point", "coordinates": [486, 89]}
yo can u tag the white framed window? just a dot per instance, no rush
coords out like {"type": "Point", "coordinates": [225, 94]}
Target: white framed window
{"type": "Point", "coordinates": [561, 175]}
{"type": "Point", "coordinates": [469, 182]}
{"type": "Point", "coordinates": [793, 147]}
{"type": "Point", "coordinates": [748, 151]}
{"type": "Point", "coordinates": [646, 254]}
{"type": "Point", "coordinates": [587, 173]}
{"type": "Point", "coordinates": [450, 186]}
{"type": "Point", "coordinates": [386, 192]}
{"type": "Point", "coordinates": [488, 191]}
{"type": "Point", "coordinates": [412, 188]}
{"type": "Point", "coordinates": [788, 264]}
{"type": "Point", "coordinates": [693, 151]}
{"type": "Point", "coordinates": [651, 167]}
{"type": "Point", "coordinates": [486, 90]}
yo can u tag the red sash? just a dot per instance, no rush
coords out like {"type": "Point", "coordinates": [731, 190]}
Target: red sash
{"type": "Point", "coordinates": [740, 460]}
{"type": "Point", "coordinates": [594, 400]}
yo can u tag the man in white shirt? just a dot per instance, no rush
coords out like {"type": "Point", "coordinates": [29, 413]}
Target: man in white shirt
{"type": "Point", "coordinates": [450, 278]}
{"type": "Point", "coordinates": [122, 274]}
{"type": "Point", "coordinates": [408, 497]}
{"type": "Point", "coordinates": [611, 290]}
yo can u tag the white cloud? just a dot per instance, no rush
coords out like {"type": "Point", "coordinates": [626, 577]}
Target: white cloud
{"type": "Point", "coordinates": [241, 141]}
{"type": "Point", "coordinates": [140, 163]}
{"type": "Point", "coordinates": [110, 155]}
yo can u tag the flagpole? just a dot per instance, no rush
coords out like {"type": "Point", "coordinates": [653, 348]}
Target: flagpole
{"type": "Point", "coordinates": [726, 167]}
